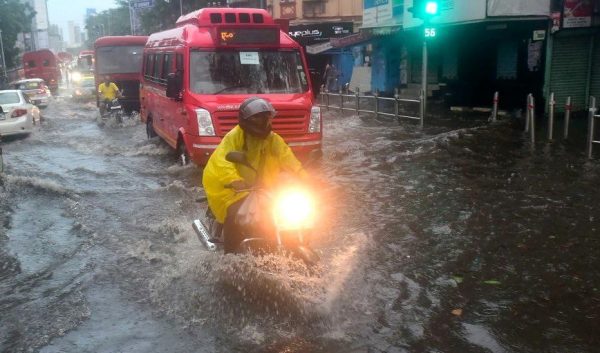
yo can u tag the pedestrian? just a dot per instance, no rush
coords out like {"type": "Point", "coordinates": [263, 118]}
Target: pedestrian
{"type": "Point", "coordinates": [330, 77]}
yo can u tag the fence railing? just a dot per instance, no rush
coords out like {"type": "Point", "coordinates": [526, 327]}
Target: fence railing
{"type": "Point", "coordinates": [352, 102]}
{"type": "Point", "coordinates": [592, 116]}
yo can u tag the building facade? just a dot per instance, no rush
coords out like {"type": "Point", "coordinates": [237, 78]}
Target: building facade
{"type": "Point", "coordinates": [314, 23]}
{"type": "Point", "coordinates": [39, 37]}
{"type": "Point", "coordinates": [514, 47]}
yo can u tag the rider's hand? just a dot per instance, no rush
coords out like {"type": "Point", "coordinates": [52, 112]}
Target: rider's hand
{"type": "Point", "coordinates": [239, 185]}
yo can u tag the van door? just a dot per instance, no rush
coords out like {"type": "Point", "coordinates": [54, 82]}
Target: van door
{"type": "Point", "coordinates": [169, 106]}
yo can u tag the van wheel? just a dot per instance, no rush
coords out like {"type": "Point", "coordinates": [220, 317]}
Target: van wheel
{"type": "Point", "coordinates": [182, 154]}
{"type": "Point", "coordinates": [150, 128]}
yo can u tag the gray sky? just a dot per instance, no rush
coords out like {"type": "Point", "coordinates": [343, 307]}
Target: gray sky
{"type": "Point", "coordinates": [62, 11]}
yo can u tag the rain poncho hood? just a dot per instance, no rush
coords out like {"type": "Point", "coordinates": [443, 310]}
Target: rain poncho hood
{"type": "Point", "coordinates": [269, 156]}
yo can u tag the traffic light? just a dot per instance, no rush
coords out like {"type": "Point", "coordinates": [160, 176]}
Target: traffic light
{"type": "Point", "coordinates": [424, 9]}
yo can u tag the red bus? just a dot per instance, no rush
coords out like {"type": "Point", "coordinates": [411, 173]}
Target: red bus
{"type": "Point", "coordinates": [43, 64]}
{"type": "Point", "coordinates": [197, 75]}
{"type": "Point", "coordinates": [120, 57]}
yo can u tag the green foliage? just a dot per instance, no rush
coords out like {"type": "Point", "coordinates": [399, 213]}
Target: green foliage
{"type": "Point", "coordinates": [112, 22]}
{"type": "Point", "coordinates": [15, 18]}
{"type": "Point", "coordinates": [165, 13]}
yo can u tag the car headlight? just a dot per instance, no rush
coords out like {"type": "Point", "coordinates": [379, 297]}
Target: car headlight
{"type": "Point", "coordinates": [205, 125]}
{"type": "Point", "coordinates": [315, 120]}
{"type": "Point", "coordinates": [294, 210]}
{"type": "Point", "coordinates": [76, 76]}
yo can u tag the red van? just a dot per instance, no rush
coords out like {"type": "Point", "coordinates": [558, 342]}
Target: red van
{"type": "Point", "coordinates": [120, 57]}
{"type": "Point", "coordinates": [197, 75]}
{"type": "Point", "coordinates": [43, 64]}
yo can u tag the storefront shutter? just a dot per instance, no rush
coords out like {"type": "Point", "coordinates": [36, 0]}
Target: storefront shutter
{"type": "Point", "coordinates": [595, 79]}
{"type": "Point", "coordinates": [569, 70]}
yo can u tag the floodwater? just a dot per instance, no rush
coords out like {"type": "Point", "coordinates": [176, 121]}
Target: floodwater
{"type": "Point", "coordinates": [459, 237]}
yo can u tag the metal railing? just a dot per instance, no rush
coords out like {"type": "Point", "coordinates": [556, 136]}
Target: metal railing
{"type": "Point", "coordinates": [354, 104]}
{"type": "Point", "coordinates": [592, 116]}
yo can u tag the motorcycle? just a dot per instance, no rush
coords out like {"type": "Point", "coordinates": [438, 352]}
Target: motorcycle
{"type": "Point", "coordinates": [291, 210]}
{"type": "Point", "coordinates": [113, 110]}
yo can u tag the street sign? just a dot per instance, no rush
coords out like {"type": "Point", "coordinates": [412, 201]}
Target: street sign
{"type": "Point", "coordinates": [430, 32]}
{"type": "Point", "coordinates": [143, 4]}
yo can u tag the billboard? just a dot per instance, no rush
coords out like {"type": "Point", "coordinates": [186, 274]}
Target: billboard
{"type": "Point", "coordinates": [380, 13]}
{"type": "Point", "coordinates": [451, 11]}
{"type": "Point", "coordinates": [309, 34]}
{"type": "Point", "coordinates": [518, 8]}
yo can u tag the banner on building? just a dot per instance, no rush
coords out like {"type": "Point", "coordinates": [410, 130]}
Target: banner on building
{"type": "Point", "coordinates": [450, 11]}
{"type": "Point", "coordinates": [518, 8]}
{"type": "Point", "coordinates": [378, 13]}
{"type": "Point", "coordinates": [320, 32]}
{"type": "Point", "coordinates": [578, 13]}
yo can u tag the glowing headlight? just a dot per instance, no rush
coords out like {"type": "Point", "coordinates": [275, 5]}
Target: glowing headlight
{"type": "Point", "coordinates": [294, 209]}
{"type": "Point", "coordinates": [76, 76]}
{"type": "Point", "coordinates": [315, 120]}
{"type": "Point", "coordinates": [205, 125]}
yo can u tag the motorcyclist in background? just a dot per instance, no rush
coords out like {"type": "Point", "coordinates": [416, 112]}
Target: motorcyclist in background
{"type": "Point", "coordinates": [224, 182]}
{"type": "Point", "coordinates": [107, 91]}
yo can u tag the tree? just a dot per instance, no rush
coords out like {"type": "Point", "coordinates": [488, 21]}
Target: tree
{"type": "Point", "coordinates": [111, 22]}
{"type": "Point", "coordinates": [165, 13]}
{"type": "Point", "coordinates": [15, 18]}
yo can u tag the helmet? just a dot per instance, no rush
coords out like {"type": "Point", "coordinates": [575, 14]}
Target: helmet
{"type": "Point", "coordinates": [255, 117]}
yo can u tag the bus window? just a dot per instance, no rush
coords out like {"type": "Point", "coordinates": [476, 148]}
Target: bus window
{"type": "Point", "coordinates": [157, 63]}
{"type": "Point", "coordinates": [31, 63]}
{"type": "Point", "coordinates": [167, 66]}
{"type": "Point", "coordinates": [148, 68]}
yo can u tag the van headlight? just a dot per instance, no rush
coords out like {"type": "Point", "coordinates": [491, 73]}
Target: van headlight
{"type": "Point", "coordinates": [205, 125]}
{"type": "Point", "coordinates": [315, 120]}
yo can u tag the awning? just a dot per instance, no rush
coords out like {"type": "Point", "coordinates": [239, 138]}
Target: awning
{"type": "Point", "coordinates": [351, 40]}
{"type": "Point", "coordinates": [319, 48]}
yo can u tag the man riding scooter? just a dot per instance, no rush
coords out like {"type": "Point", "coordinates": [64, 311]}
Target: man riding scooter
{"type": "Point", "coordinates": [107, 92]}
{"type": "Point", "coordinates": [225, 183]}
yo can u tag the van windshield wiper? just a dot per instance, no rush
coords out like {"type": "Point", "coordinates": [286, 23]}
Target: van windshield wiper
{"type": "Point", "coordinates": [230, 87]}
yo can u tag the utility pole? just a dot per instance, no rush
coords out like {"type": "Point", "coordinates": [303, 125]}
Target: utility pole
{"type": "Point", "coordinates": [3, 60]}
{"type": "Point", "coordinates": [425, 10]}
{"type": "Point", "coordinates": [180, 8]}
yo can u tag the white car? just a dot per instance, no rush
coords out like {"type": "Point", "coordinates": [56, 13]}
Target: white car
{"type": "Point", "coordinates": [36, 89]}
{"type": "Point", "coordinates": [17, 114]}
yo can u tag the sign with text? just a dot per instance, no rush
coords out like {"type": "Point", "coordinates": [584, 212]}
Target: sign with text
{"type": "Point", "coordinates": [578, 13]}
{"type": "Point", "coordinates": [321, 32]}
{"type": "Point", "coordinates": [378, 13]}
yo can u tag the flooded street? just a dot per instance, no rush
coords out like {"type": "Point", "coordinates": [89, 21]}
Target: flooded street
{"type": "Point", "coordinates": [456, 238]}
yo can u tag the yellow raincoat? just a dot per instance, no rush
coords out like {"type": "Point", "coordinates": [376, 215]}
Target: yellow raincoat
{"type": "Point", "coordinates": [269, 156]}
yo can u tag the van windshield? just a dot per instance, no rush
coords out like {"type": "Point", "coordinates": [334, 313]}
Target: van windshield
{"type": "Point", "coordinates": [247, 72]}
{"type": "Point", "coordinates": [119, 59]}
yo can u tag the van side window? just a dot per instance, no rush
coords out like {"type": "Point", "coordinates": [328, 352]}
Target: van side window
{"type": "Point", "coordinates": [148, 67]}
{"type": "Point", "coordinates": [167, 66]}
{"type": "Point", "coordinates": [179, 62]}
{"type": "Point", "coordinates": [157, 63]}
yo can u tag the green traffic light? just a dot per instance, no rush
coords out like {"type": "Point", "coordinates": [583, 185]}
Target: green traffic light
{"type": "Point", "coordinates": [431, 7]}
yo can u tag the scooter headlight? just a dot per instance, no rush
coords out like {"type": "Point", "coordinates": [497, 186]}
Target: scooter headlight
{"type": "Point", "coordinates": [294, 210]}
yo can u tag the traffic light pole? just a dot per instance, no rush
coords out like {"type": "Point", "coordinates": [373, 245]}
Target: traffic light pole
{"type": "Point", "coordinates": [424, 77]}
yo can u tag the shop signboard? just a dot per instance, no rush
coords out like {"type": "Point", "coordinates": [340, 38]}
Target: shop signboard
{"type": "Point", "coordinates": [450, 11]}
{"type": "Point", "coordinates": [378, 13]}
{"type": "Point", "coordinates": [320, 32]}
{"type": "Point", "coordinates": [578, 13]}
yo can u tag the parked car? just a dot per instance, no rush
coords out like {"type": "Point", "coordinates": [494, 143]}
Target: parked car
{"type": "Point", "coordinates": [85, 89]}
{"type": "Point", "coordinates": [17, 114]}
{"type": "Point", "coordinates": [36, 89]}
